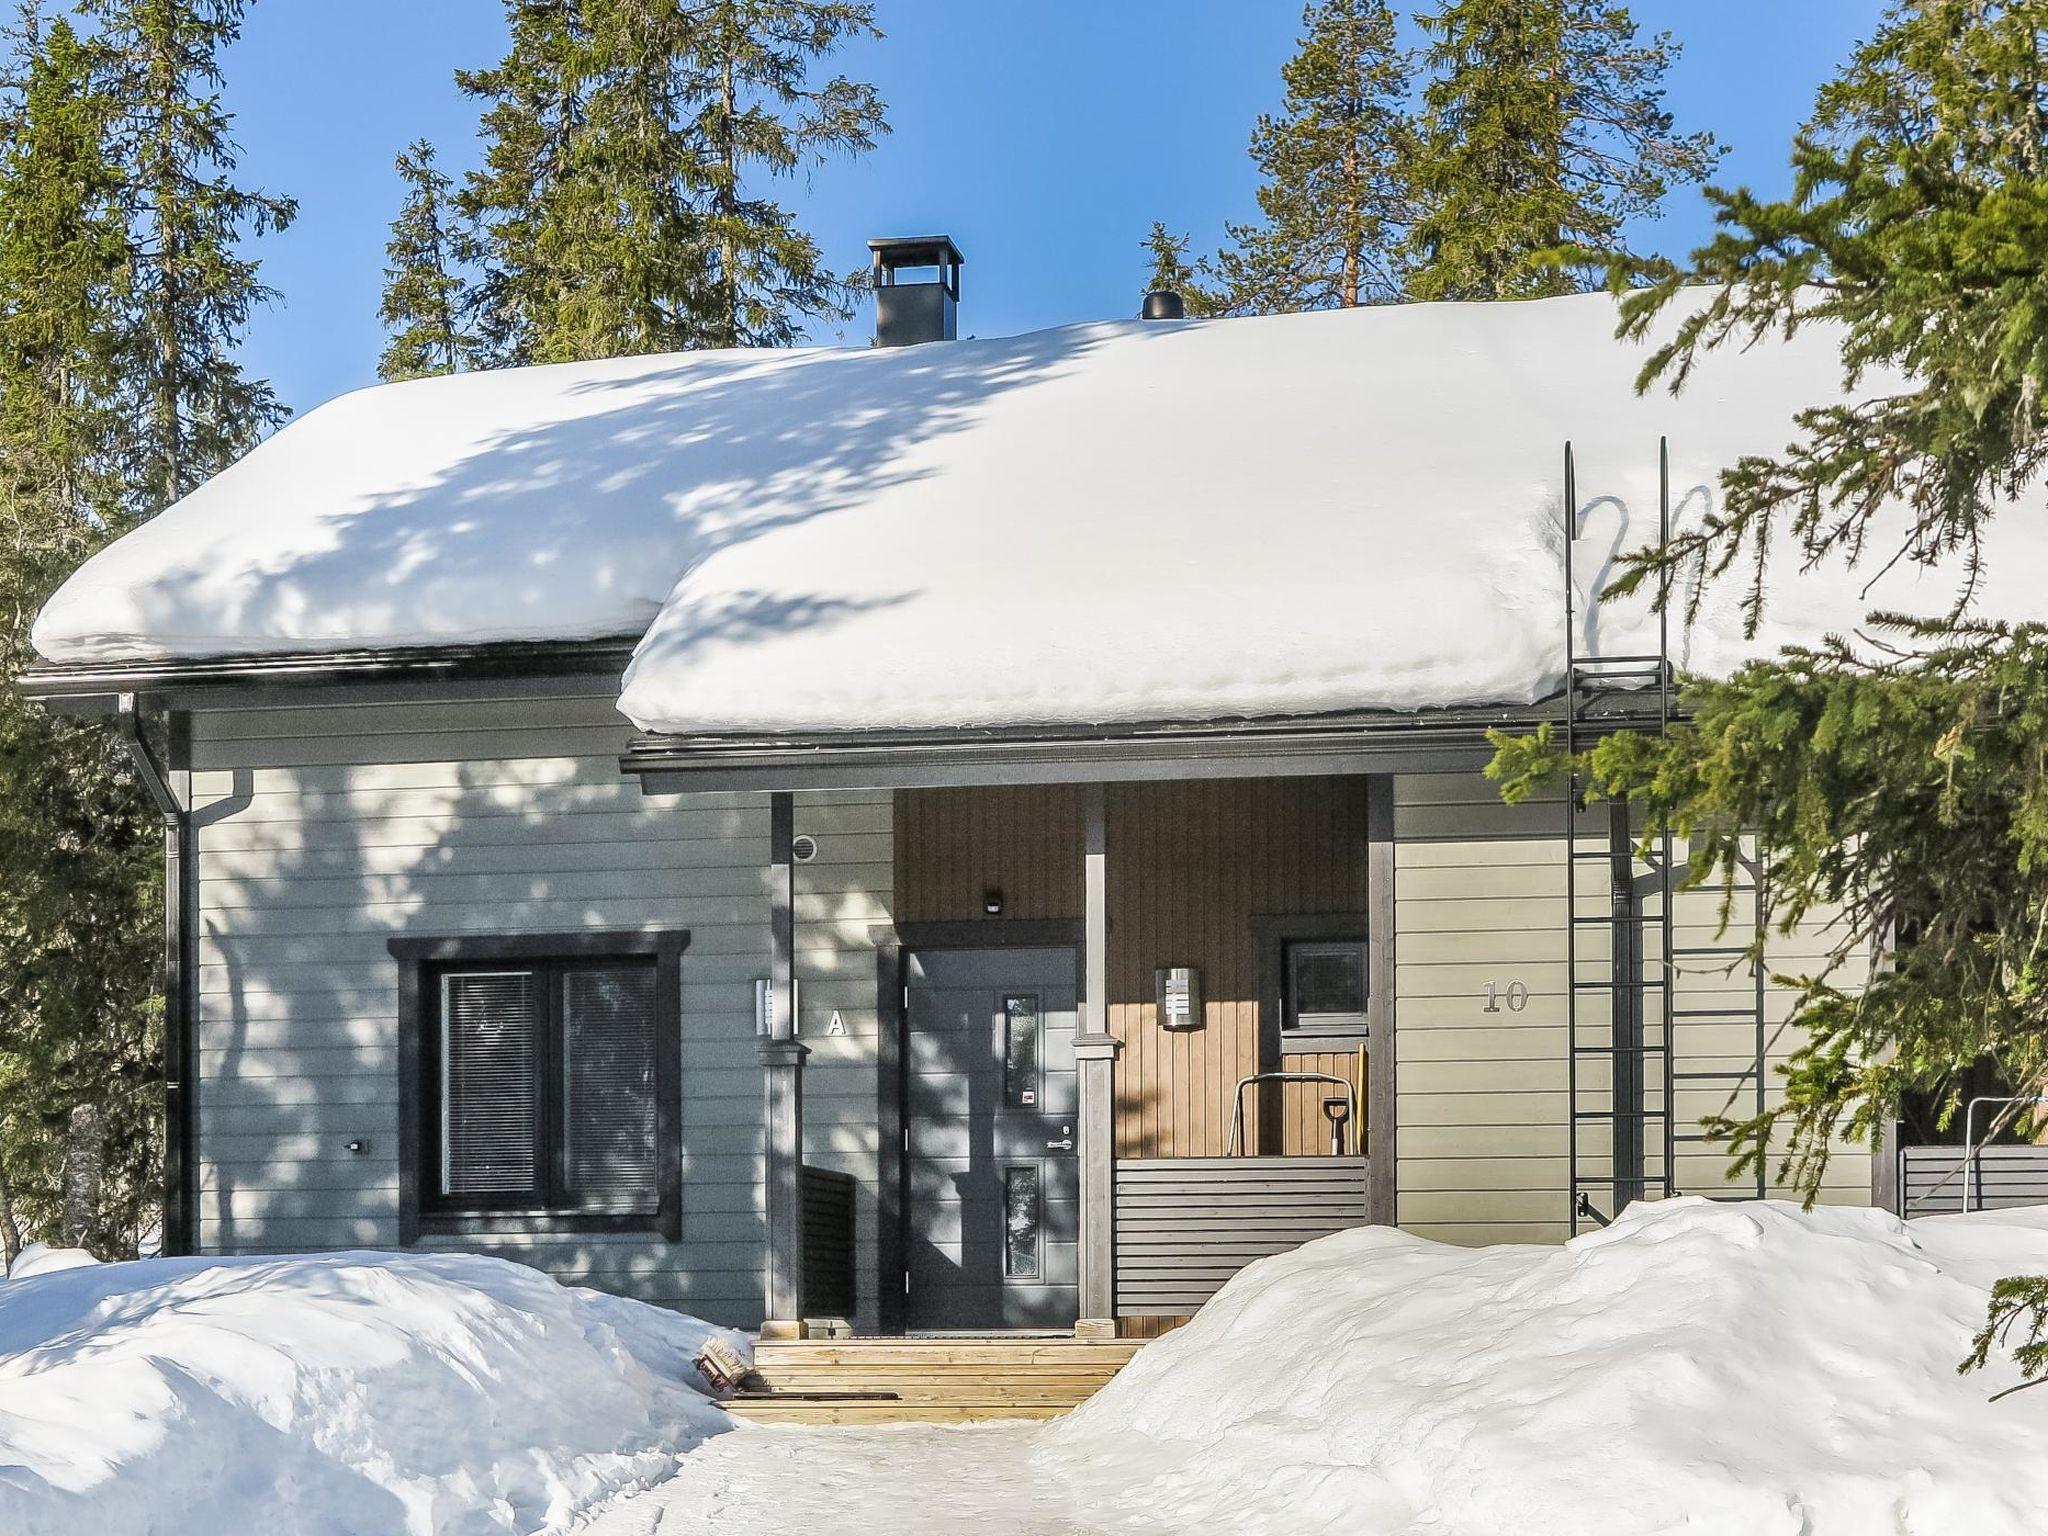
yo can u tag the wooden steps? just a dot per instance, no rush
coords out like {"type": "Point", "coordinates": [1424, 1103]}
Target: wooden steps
{"type": "Point", "coordinates": [927, 1381]}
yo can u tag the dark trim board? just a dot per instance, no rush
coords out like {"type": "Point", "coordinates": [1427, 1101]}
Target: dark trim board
{"type": "Point", "coordinates": [414, 954]}
{"type": "Point", "coordinates": [94, 688]}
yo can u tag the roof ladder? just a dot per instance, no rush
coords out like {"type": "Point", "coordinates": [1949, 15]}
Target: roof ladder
{"type": "Point", "coordinates": [1646, 1058]}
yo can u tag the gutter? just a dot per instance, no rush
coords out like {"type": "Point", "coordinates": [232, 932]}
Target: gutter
{"type": "Point", "coordinates": [180, 979]}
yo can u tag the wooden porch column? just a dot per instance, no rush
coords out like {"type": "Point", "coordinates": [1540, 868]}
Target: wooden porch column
{"type": "Point", "coordinates": [1095, 1052]}
{"type": "Point", "coordinates": [782, 1070]}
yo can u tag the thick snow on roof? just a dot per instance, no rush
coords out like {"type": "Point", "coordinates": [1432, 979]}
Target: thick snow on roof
{"type": "Point", "coordinates": [1101, 523]}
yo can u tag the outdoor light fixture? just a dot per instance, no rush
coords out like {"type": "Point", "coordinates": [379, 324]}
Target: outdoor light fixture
{"type": "Point", "coordinates": [992, 901]}
{"type": "Point", "coordinates": [1180, 997]}
{"type": "Point", "coordinates": [765, 1011]}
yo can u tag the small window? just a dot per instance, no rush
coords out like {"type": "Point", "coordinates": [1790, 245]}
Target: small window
{"type": "Point", "coordinates": [1023, 1222]}
{"type": "Point", "coordinates": [542, 1084]}
{"type": "Point", "coordinates": [1324, 987]}
{"type": "Point", "coordinates": [1021, 1015]}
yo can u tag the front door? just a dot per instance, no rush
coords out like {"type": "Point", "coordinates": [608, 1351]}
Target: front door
{"type": "Point", "coordinates": [990, 1111]}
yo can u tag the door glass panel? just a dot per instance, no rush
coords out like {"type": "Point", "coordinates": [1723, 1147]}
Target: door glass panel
{"type": "Point", "coordinates": [1022, 1222]}
{"type": "Point", "coordinates": [1022, 1024]}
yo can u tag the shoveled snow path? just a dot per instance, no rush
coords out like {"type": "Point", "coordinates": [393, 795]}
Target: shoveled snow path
{"type": "Point", "coordinates": [897, 1480]}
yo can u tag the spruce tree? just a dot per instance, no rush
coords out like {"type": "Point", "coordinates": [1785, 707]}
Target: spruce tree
{"type": "Point", "coordinates": [535, 96]}
{"type": "Point", "coordinates": [617, 210]}
{"type": "Point", "coordinates": [1334, 200]}
{"type": "Point", "coordinates": [194, 285]}
{"type": "Point", "coordinates": [762, 110]}
{"type": "Point", "coordinates": [1918, 223]}
{"type": "Point", "coordinates": [80, 854]}
{"type": "Point", "coordinates": [1543, 134]}
{"type": "Point", "coordinates": [422, 306]}
{"type": "Point", "coordinates": [1902, 782]}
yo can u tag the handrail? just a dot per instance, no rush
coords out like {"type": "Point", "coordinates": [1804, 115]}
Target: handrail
{"type": "Point", "coordinates": [1970, 1146]}
{"type": "Point", "coordinates": [1237, 1099]}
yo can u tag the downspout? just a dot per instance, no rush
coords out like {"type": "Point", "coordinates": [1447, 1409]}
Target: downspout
{"type": "Point", "coordinates": [181, 1167]}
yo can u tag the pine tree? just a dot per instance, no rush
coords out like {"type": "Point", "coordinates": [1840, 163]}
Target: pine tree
{"type": "Point", "coordinates": [1905, 786]}
{"type": "Point", "coordinates": [80, 855]}
{"type": "Point", "coordinates": [1171, 270]}
{"type": "Point", "coordinates": [422, 306]}
{"type": "Point", "coordinates": [763, 110]}
{"type": "Point", "coordinates": [194, 287]}
{"type": "Point", "coordinates": [1334, 200]}
{"type": "Point", "coordinates": [1543, 135]}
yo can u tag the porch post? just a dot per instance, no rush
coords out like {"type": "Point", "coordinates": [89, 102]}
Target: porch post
{"type": "Point", "coordinates": [1095, 1052]}
{"type": "Point", "coordinates": [782, 1064]}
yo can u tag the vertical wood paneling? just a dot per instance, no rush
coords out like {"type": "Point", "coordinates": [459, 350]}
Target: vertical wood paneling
{"type": "Point", "coordinates": [1190, 865]}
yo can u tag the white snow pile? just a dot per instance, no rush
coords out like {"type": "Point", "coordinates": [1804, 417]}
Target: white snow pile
{"type": "Point", "coordinates": [1722, 1370]}
{"type": "Point", "coordinates": [1112, 522]}
{"type": "Point", "coordinates": [337, 1395]}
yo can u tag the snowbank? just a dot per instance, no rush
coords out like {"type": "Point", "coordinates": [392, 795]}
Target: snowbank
{"type": "Point", "coordinates": [1725, 1370]}
{"type": "Point", "coordinates": [348, 1393]}
{"type": "Point", "coordinates": [1112, 522]}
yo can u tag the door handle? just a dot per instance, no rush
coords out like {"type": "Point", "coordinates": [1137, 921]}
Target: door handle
{"type": "Point", "coordinates": [1061, 1146]}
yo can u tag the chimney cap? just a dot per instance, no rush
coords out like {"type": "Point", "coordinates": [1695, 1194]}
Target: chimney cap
{"type": "Point", "coordinates": [1164, 304]}
{"type": "Point", "coordinates": [916, 251]}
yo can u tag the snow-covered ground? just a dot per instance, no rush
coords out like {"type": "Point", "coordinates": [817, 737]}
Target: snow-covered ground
{"type": "Point", "coordinates": [1720, 1370]}
{"type": "Point", "coordinates": [348, 1394]}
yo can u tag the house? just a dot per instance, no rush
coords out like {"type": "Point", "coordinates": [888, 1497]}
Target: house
{"type": "Point", "coordinates": [968, 835]}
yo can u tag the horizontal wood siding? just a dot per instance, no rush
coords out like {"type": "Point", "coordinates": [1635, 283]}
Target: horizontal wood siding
{"type": "Point", "coordinates": [1184, 1226]}
{"type": "Point", "coordinates": [841, 896]}
{"type": "Point", "coordinates": [1483, 1097]}
{"type": "Point", "coordinates": [324, 831]}
{"type": "Point", "coordinates": [1932, 1180]}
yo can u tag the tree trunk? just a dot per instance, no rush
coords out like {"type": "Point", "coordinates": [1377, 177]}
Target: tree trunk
{"type": "Point", "coordinates": [10, 1226]}
{"type": "Point", "coordinates": [82, 1154]}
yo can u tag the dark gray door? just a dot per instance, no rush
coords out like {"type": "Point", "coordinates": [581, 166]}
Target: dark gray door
{"type": "Point", "coordinates": [990, 1100]}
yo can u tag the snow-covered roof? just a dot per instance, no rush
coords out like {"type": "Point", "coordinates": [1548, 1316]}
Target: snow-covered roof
{"type": "Point", "coordinates": [1100, 523]}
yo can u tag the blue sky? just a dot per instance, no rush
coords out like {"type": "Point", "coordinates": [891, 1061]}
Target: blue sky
{"type": "Point", "coordinates": [1043, 135]}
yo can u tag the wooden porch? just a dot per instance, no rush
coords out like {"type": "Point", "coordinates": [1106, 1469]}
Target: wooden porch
{"type": "Point", "coordinates": [926, 1380]}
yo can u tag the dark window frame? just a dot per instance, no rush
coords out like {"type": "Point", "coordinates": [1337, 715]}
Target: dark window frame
{"type": "Point", "coordinates": [1275, 935]}
{"type": "Point", "coordinates": [421, 964]}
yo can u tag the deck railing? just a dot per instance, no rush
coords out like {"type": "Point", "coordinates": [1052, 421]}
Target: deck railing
{"type": "Point", "coordinates": [1934, 1180]}
{"type": "Point", "coordinates": [1184, 1225]}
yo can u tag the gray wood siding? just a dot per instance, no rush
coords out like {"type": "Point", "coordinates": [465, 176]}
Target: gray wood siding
{"type": "Point", "coordinates": [1932, 1180]}
{"type": "Point", "coordinates": [840, 895]}
{"type": "Point", "coordinates": [1483, 1098]}
{"type": "Point", "coordinates": [1185, 1225]}
{"type": "Point", "coordinates": [326, 831]}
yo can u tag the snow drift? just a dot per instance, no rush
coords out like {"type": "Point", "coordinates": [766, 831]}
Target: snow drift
{"type": "Point", "coordinates": [1123, 521]}
{"type": "Point", "coordinates": [337, 1395]}
{"type": "Point", "coordinates": [1723, 1370]}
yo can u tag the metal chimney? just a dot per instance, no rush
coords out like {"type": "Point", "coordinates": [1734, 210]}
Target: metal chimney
{"type": "Point", "coordinates": [1163, 304]}
{"type": "Point", "coordinates": [926, 309]}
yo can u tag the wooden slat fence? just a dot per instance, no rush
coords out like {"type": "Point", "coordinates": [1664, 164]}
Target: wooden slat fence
{"type": "Point", "coordinates": [1931, 1179]}
{"type": "Point", "coordinates": [826, 1200]}
{"type": "Point", "coordinates": [1184, 1225]}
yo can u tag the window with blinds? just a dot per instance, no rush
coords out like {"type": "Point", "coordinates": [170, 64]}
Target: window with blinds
{"type": "Point", "coordinates": [545, 1087]}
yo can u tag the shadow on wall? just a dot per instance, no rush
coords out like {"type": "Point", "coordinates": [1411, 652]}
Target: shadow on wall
{"type": "Point", "coordinates": [582, 525]}
{"type": "Point", "coordinates": [310, 876]}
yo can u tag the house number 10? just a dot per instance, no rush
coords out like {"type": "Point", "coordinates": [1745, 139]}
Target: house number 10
{"type": "Point", "coordinates": [1516, 997]}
